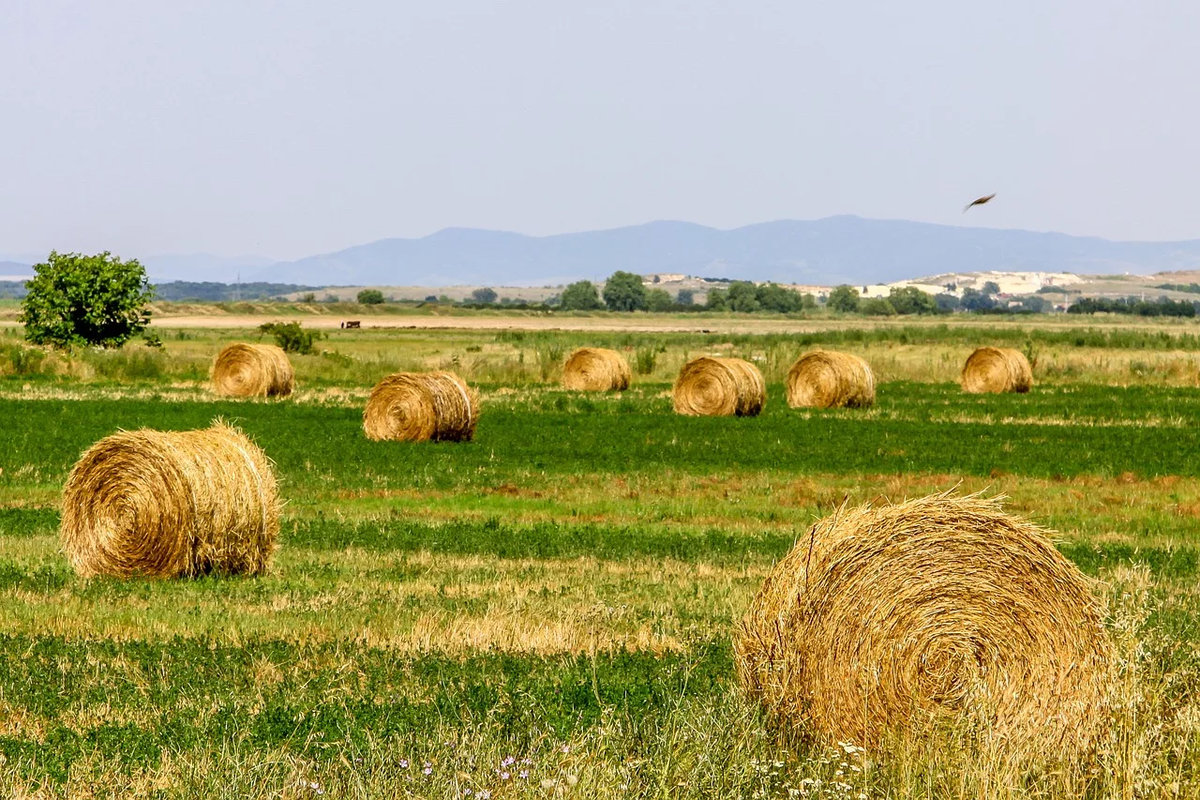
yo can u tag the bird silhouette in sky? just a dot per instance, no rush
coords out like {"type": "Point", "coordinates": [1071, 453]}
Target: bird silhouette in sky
{"type": "Point", "coordinates": [978, 202]}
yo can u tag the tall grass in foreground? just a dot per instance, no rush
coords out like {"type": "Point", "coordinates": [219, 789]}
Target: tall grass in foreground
{"type": "Point", "coordinates": [681, 743]}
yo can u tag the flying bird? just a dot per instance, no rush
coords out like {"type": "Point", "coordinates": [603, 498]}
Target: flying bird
{"type": "Point", "coordinates": [978, 202]}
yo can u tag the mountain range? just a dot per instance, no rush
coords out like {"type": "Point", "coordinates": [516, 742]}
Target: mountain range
{"type": "Point", "coordinates": [842, 249]}
{"type": "Point", "coordinates": [834, 250]}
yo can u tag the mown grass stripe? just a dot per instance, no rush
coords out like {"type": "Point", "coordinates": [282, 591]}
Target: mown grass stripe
{"type": "Point", "coordinates": [323, 695]}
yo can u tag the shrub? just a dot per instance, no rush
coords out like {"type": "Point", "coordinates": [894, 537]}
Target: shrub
{"type": "Point", "coordinates": [369, 297]}
{"type": "Point", "coordinates": [86, 300]}
{"type": "Point", "coordinates": [646, 359]}
{"type": "Point", "coordinates": [876, 307]}
{"type": "Point", "coordinates": [290, 336]}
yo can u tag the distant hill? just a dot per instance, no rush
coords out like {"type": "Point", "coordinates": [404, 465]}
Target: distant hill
{"type": "Point", "coordinates": [14, 269]}
{"type": "Point", "coordinates": [844, 249]}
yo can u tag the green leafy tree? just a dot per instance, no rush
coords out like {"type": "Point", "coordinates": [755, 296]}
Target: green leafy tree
{"type": "Point", "coordinates": [946, 302]}
{"type": "Point", "coordinates": [484, 296]}
{"type": "Point", "coordinates": [975, 300]}
{"type": "Point", "coordinates": [75, 299]}
{"type": "Point", "coordinates": [911, 300]}
{"type": "Point", "coordinates": [370, 297]}
{"type": "Point", "coordinates": [808, 302]}
{"type": "Point", "coordinates": [742, 296]}
{"type": "Point", "coordinates": [685, 297]}
{"type": "Point", "coordinates": [773, 297]}
{"type": "Point", "coordinates": [658, 300]}
{"type": "Point", "coordinates": [843, 298]}
{"type": "Point", "coordinates": [581, 296]}
{"type": "Point", "coordinates": [990, 287]}
{"type": "Point", "coordinates": [716, 301]}
{"type": "Point", "coordinates": [876, 307]}
{"type": "Point", "coordinates": [623, 291]}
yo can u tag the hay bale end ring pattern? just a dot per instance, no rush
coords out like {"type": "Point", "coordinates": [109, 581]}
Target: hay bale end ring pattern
{"type": "Point", "coordinates": [905, 617]}
{"type": "Point", "coordinates": [825, 379]}
{"type": "Point", "coordinates": [171, 504]}
{"type": "Point", "coordinates": [253, 370]}
{"type": "Point", "coordinates": [421, 406]}
{"type": "Point", "coordinates": [716, 387]}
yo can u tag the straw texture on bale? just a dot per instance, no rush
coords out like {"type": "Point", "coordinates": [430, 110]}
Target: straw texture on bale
{"type": "Point", "coordinates": [903, 618]}
{"type": "Point", "coordinates": [719, 387]}
{"type": "Point", "coordinates": [595, 369]}
{"type": "Point", "coordinates": [997, 369]}
{"type": "Point", "coordinates": [824, 379]}
{"type": "Point", "coordinates": [421, 406]}
{"type": "Point", "coordinates": [171, 504]}
{"type": "Point", "coordinates": [253, 370]}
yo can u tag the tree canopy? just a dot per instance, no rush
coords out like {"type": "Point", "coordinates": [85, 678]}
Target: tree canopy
{"type": "Point", "coordinates": [75, 299]}
{"type": "Point", "coordinates": [843, 298]}
{"type": "Point", "coordinates": [623, 291]}
{"type": "Point", "coordinates": [580, 296]}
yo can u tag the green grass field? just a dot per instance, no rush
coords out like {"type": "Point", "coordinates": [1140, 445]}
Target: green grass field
{"type": "Point", "coordinates": [547, 610]}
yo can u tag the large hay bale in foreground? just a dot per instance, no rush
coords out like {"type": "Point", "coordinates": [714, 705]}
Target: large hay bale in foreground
{"type": "Point", "coordinates": [997, 369]}
{"type": "Point", "coordinates": [905, 618]}
{"type": "Point", "coordinates": [253, 370]}
{"type": "Point", "coordinates": [595, 369]}
{"type": "Point", "coordinates": [420, 406]}
{"type": "Point", "coordinates": [715, 387]}
{"type": "Point", "coordinates": [825, 379]}
{"type": "Point", "coordinates": [171, 504]}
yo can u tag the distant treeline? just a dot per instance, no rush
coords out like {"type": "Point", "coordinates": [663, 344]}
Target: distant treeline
{"type": "Point", "coordinates": [204, 292]}
{"type": "Point", "coordinates": [1194, 288]}
{"type": "Point", "coordinates": [1129, 305]}
{"type": "Point", "coordinates": [209, 291]}
{"type": "Point", "coordinates": [12, 289]}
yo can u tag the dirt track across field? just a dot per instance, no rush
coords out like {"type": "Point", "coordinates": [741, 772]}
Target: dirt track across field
{"type": "Point", "coordinates": [522, 323]}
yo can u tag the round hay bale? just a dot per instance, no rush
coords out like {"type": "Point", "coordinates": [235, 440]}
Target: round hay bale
{"type": "Point", "coordinates": [716, 387]}
{"type": "Point", "coordinates": [824, 379]}
{"type": "Point", "coordinates": [171, 504]}
{"type": "Point", "coordinates": [905, 618]}
{"type": "Point", "coordinates": [997, 369]}
{"type": "Point", "coordinates": [595, 369]}
{"type": "Point", "coordinates": [421, 406]}
{"type": "Point", "coordinates": [253, 370]}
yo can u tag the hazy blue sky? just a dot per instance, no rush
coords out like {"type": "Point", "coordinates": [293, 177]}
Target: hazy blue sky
{"type": "Point", "coordinates": [291, 128]}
